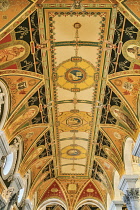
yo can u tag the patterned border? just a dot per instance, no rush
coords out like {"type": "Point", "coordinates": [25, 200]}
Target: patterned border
{"type": "Point", "coordinates": [17, 21]}
{"type": "Point", "coordinates": [128, 15]}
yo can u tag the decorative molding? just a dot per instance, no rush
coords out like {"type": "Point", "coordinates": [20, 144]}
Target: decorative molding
{"type": "Point", "coordinates": [127, 181]}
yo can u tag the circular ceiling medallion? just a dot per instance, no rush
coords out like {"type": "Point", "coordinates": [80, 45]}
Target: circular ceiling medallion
{"type": "Point", "coordinates": [73, 151]}
{"type": "Point", "coordinates": [75, 75]}
{"type": "Point", "coordinates": [74, 121]}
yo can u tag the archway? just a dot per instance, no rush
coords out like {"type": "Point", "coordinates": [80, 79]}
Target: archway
{"type": "Point", "coordinates": [52, 202]}
{"type": "Point", "coordinates": [90, 201]}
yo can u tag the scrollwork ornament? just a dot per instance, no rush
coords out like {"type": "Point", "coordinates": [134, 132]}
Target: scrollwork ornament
{"type": "Point", "coordinates": [133, 193]}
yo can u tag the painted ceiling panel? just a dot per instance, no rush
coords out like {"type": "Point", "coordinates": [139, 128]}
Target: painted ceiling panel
{"type": "Point", "coordinates": [79, 37]}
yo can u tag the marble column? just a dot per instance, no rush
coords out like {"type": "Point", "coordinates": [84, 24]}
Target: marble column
{"type": "Point", "coordinates": [116, 205]}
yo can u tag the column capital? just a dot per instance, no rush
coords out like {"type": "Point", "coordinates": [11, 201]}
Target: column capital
{"type": "Point", "coordinates": [127, 182]}
{"type": "Point", "coordinates": [116, 205]}
{"type": "Point", "coordinates": [133, 193]}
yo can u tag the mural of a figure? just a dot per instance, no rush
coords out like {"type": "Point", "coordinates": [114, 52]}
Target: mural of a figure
{"type": "Point", "coordinates": [134, 51]}
{"type": "Point", "coordinates": [10, 53]}
{"type": "Point", "coordinates": [120, 115]}
{"type": "Point", "coordinates": [13, 51]}
{"type": "Point", "coordinates": [34, 155]}
{"type": "Point", "coordinates": [24, 117]}
{"type": "Point", "coordinates": [131, 51]}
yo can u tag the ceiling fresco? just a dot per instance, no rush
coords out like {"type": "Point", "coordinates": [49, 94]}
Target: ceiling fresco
{"type": "Point", "coordinates": [69, 94]}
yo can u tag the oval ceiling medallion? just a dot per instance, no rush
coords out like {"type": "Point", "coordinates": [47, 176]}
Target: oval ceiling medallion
{"type": "Point", "coordinates": [75, 76]}
{"type": "Point", "coordinates": [73, 151]}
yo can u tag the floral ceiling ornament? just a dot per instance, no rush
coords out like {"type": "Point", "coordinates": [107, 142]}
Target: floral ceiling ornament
{"type": "Point", "coordinates": [77, 5]}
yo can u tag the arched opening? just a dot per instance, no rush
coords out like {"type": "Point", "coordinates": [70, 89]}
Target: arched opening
{"type": "Point", "coordinates": [52, 202]}
{"type": "Point", "coordinates": [90, 202]}
{"type": "Point", "coordinates": [8, 163]}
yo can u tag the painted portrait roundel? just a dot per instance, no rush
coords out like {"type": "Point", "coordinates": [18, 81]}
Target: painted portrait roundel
{"type": "Point", "coordinates": [131, 51]}
{"type": "Point", "coordinates": [75, 75]}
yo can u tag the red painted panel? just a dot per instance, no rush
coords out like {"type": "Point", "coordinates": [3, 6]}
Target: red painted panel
{"type": "Point", "coordinates": [136, 66]}
{"type": "Point", "coordinates": [14, 66]}
{"type": "Point", "coordinates": [90, 191]}
{"type": "Point", "coordinates": [6, 39]}
{"type": "Point", "coordinates": [53, 191]}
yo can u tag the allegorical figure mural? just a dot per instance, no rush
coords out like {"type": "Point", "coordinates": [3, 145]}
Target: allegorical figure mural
{"type": "Point", "coordinates": [123, 117]}
{"type": "Point", "coordinates": [10, 53]}
{"type": "Point", "coordinates": [134, 51]}
{"type": "Point", "coordinates": [13, 51]}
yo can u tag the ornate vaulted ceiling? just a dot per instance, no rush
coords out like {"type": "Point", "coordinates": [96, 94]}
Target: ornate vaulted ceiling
{"type": "Point", "coordinates": [70, 82]}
